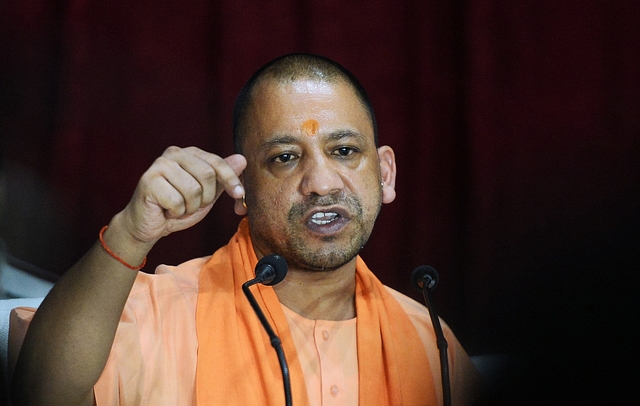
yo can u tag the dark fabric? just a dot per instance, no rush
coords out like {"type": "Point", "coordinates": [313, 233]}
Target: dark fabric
{"type": "Point", "coordinates": [516, 127]}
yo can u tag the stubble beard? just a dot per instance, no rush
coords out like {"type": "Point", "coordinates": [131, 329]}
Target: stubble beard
{"type": "Point", "coordinates": [334, 251]}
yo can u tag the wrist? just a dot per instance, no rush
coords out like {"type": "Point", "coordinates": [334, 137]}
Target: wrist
{"type": "Point", "coordinates": [122, 246]}
{"type": "Point", "coordinates": [116, 256]}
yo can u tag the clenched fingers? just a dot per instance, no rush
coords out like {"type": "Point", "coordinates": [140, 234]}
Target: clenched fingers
{"type": "Point", "coordinates": [189, 179]}
{"type": "Point", "coordinates": [227, 170]}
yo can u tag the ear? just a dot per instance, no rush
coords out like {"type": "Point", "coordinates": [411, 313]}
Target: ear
{"type": "Point", "coordinates": [388, 173]}
{"type": "Point", "coordinates": [239, 206]}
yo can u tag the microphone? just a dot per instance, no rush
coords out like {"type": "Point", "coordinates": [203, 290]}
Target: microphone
{"type": "Point", "coordinates": [270, 270]}
{"type": "Point", "coordinates": [425, 275]}
{"type": "Point", "coordinates": [425, 279]}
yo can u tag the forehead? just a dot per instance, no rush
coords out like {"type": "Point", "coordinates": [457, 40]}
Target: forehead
{"type": "Point", "coordinates": [290, 107]}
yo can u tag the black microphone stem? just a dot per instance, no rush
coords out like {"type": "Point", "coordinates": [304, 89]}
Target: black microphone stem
{"type": "Point", "coordinates": [442, 346]}
{"type": "Point", "coordinates": [275, 341]}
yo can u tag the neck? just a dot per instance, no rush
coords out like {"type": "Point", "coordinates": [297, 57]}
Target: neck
{"type": "Point", "coordinates": [326, 295]}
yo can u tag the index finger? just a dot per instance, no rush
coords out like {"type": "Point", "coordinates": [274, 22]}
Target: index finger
{"type": "Point", "coordinates": [228, 172]}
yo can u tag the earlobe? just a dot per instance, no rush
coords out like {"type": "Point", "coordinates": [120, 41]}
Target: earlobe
{"type": "Point", "coordinates": [388, 173]}
{"type": "Point", "coordinates": [239, 207]}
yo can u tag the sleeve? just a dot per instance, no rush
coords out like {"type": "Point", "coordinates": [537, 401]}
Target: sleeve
{"type": "Point", "coordinates": [108, 390]}
{"type": "Point", "coordinates": [154, 353]}
{"type": "Point", "coordinates": [120, 382]}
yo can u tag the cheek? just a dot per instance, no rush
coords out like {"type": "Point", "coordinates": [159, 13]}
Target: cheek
{"type": "Point", "coordinates": [270, 199]}
{"type": "Point", "coordinates": [370, 190]}
{"type": "Point", "coordinates": [366, 177]}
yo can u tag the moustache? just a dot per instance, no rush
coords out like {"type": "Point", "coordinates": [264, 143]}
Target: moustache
{"type": "Point", "coordinates": [351, 202]}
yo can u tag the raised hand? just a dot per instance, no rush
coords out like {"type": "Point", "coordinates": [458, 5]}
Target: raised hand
{"type": "Point", "coordinates": [178, 190]}
{"type": "Point", "coordinates": [70, 337]}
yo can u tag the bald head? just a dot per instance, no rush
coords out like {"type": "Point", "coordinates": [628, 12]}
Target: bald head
{"type": "Point", "coordinates": [287, 69]}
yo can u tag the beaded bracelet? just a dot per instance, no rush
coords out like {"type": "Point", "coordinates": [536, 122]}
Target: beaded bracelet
{"type": "Point", "coordinates": [113, 254]}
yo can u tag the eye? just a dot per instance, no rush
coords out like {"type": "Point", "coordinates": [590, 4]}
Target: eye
{"type": "Point", "coordinates": [284, 158]}
{"type": "Point", "coordinates": [345, 151]}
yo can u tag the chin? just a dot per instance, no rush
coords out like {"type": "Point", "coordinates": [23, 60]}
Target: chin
{"type": "Point", "coordinates": [319, 261]}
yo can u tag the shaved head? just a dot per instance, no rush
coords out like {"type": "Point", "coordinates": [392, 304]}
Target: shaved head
{"type": "Point", "coordinates": [287, 69]}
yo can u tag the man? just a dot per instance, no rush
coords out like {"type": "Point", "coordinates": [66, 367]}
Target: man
{"type": "Point", "coordinates": [311, 180]}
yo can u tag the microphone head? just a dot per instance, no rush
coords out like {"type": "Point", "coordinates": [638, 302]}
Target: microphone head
{"type": "Point", "coordinates": [271, 269]}
{"type": "Point", "coordinates": [424, 276]}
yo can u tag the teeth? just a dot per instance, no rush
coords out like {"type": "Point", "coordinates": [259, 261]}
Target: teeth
{"type": "Point", "coordinates": [323, 218]}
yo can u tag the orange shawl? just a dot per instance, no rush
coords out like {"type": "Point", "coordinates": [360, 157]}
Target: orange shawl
{"type": "Point", "coordinates": [238, 366]}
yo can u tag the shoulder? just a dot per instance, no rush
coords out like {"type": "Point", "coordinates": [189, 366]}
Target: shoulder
{"type": "Point", "coordinates": [417, 313]}
{"type": "Point", "coordinates": [168, 285]}
{"type": "Point", "coordinates": [411, 307]}
{"type": "Point", "coordinates": [183, 277]}
{"type": "Point", "coordinates": [420, 317]}
{"type": "Point", "coordinates": [466, 381]}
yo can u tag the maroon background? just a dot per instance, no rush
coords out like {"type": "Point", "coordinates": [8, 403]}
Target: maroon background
{"type": "Point", "coordinates": [516, 127]}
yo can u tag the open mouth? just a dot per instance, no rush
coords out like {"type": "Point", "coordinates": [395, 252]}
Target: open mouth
{"type": "Point", "coordinates": [323, 218]}
{"type": "Point", "coordinates": [327, 221]}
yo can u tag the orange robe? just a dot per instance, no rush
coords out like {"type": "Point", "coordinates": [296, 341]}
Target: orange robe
{"type": "Point", "coordinates": [237, 365]}
{"type": "Point", "coordinates": [188, 336]}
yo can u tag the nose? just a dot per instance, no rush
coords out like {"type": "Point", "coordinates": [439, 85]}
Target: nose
{"type": "Point", "coordinates": [321, 177]}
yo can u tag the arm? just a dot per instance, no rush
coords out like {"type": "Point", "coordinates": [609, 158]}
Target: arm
{"type": "Point", "coordinates": [70, 337]}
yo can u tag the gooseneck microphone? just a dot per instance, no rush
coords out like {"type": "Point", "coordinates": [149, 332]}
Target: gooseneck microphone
{"type": "Point", "coordinates": [425, 279]}
{"type": "Point", "coordinates": [271, 270]}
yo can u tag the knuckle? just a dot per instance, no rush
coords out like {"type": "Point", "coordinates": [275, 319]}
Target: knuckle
{"type": "Point", "coordinates": [217, 161]}
{"type": "Point", "coordinates": [192, 149]}
{"type": "Point", "coordinates": [209, 174]}
{"type": "Point", "coordinates": [162, 161]}
{"type": "Point", "coordinates": [175, 204]}
{"type": "Point", "coordinates": [193, 190]}
{"type": "Point", "coordinates": [172, 150]}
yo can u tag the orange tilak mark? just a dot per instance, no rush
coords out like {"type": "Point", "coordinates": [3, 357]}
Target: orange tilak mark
{"type": "Point", "coordinates": [310, 127]}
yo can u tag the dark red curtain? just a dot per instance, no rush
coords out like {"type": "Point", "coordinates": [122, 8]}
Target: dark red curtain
{"type": "Point", "coordinates": [516, 127]}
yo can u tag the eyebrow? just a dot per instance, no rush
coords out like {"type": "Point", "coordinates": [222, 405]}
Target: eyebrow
{"type": "Point", "coordinates": [281, 140]}
{"type": "Point", "coordinates": [340, 134]}
{"type": "Point", "coordinates": [290, 139]}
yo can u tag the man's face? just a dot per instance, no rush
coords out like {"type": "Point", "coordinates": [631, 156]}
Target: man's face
{"type": "Point", "coordinates": [313, 174]}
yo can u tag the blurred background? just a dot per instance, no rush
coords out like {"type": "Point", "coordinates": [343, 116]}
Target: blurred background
{"type": "Point", "coordinates": [516, 127]}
